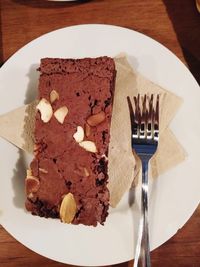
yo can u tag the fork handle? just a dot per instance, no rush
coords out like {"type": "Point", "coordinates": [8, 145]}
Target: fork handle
{"type": "Point", "coordinates": [142, 255]}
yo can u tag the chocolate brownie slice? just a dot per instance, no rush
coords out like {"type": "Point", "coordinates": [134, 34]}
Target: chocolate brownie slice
{"type": "Point", "coordinates": [68, 175]}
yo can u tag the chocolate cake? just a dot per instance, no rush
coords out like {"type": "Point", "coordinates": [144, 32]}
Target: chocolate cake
{"type": "Point", "coordinates": [68, 176]}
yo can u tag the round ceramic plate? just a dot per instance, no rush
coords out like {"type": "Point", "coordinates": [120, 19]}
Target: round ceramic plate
{"type": "Point", "coordinates": [174, 195]}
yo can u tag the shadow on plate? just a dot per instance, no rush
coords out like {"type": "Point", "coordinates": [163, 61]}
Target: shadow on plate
{"type": "Point", "coordinates": [50, 4]}
{"type": "Point", "coordinates": [18, 178]}
{"type": "Point", "coordinates": [31, 92]}
{"type": "Point", "coordinates": [19, 174]}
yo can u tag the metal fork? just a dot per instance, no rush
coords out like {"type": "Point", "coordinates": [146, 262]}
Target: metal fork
{"type": "Point", "coordinates": [144, 116]}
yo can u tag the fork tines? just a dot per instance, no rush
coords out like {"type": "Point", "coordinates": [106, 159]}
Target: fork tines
{"type": "Point", "coordinates": [145, 117]}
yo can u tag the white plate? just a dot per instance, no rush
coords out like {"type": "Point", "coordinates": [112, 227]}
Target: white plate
{"type": "Point", "coordinates": [174, 195]}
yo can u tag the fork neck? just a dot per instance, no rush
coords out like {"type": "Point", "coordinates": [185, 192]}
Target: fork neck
{"type": "Point", "coordinates": [145, 167]}
{"type": "Point", "coordinates": [145, 159]}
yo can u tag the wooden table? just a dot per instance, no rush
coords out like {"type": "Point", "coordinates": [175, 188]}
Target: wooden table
{"type": "Point", "coordinates": [176, 24]}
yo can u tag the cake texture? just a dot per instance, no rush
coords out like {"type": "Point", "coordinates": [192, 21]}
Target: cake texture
{"type": "Point", "coordinates": [68, 176]}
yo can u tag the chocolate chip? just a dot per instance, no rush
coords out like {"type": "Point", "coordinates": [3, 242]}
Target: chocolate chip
{"type": "Point", "coordinates": [102, 166]}
{"type": "Point", "coordinates": [104, 133]}
{"type": "Point", "coordinates": [52, 213]}
{"type": "Point", "coordinates": [107, 102]}
{"type": "Point", "coordinates": [68, 184]}
{"type": "Point", "coordinates": [44, 211]}
{"type": "Point", "coordinates": [100, 182]}
{"type": "Point", "coordinates": [78, 212]}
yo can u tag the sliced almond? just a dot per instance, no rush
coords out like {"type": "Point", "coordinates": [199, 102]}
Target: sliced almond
{"type": "Point", "coordinates": [79, 134]}
{"type": "Point", "coordinates": [87, 130]}
{"type": "Point", "coordinates": [32, 184]}
{"type": "Point", "coordinates": [96, 119]}
{"type": "Point", "coordinates": [45, 109]}
{"type": "Point", "coordinates": [68, 208]}
{"type": "Point", "coordinates": [43, 170]}
{"type": "Point", "coordinates": [86, 172]}
{"type": "Point", "coordinates": [82, 171]}
{"type": "Point", "coordinates": [54, 96]}
{"type": "Point", "coordinates": [61, 113]}
{"type": "Point", "coordinates": [28, 172]}
{"type": "Point", "coordinates": [89, 146]}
